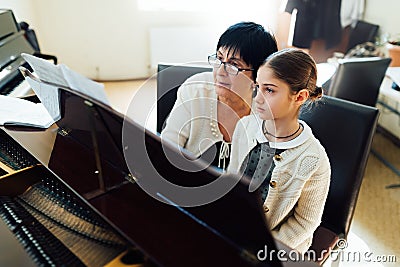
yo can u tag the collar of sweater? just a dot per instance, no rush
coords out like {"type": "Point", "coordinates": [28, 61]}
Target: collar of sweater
{"type": "Point", "coordinates": [300, 139]}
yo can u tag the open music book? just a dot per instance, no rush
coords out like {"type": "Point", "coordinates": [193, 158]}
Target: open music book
{"type": "Point", "coordinates": [62, 75]}
{"type": "Point", "coordinates": [45, 81]}
{"type": "Point", "coordinates": [20, 112]}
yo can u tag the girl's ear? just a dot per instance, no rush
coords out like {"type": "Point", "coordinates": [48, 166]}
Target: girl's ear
{"type": "Point", "coordinates": [302, 96]}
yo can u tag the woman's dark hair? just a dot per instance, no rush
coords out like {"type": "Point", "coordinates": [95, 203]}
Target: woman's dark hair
{"type": "Point", "coordinates": [297, 69]}
{"type": "Point", "coordinates": [251, 40]}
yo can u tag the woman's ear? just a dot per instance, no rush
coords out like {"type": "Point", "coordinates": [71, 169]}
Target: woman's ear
{"type": "Point", "coordinates": [302, 96]}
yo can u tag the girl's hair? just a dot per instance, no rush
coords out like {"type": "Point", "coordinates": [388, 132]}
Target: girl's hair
{"type": "Point", "coordinates": [297, 69]}
{"type": "Point", "coordinates": [251, 40]}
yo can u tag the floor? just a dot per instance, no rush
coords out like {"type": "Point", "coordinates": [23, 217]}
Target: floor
{"type": "Point", "coordinates": [377, 215]}
{"type": "Point", "coordinates": [374, 238]}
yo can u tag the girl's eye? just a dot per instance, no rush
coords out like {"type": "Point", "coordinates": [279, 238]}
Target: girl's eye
{"type": "Point", "coordinates": [268, 90]}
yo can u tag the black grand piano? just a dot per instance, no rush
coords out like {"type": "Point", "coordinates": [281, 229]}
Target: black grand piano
{"type": "Point", "coordinates": [69, 197]}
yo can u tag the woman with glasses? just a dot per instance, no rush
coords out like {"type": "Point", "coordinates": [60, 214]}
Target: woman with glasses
{"type": "Point", "coordinates": [280, 152]}
{"type": "Point", "coordinates": [209, 104]}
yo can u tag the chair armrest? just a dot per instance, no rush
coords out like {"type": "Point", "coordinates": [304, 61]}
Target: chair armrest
{"type": "Point", "coordinates": [324, 241]}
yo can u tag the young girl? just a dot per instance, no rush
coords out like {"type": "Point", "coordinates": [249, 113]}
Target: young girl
{"type": "Point", "coordinates": [279, 151]}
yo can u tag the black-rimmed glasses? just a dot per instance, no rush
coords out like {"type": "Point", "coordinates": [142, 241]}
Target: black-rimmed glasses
{"type": "Point", "coordinates": [214, 61]}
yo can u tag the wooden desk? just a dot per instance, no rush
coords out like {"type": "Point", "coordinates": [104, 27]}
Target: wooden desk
{"type": "Point", "coordinates": [389, 119]}
{"type": "Point", "coordinates": [325, 71]}
{"type": "Point", "coordinates": [389, 104]}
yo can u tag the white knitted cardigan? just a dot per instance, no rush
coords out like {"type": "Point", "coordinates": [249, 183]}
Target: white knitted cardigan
{"type": "Point", "coordinates": [192, 123]}
{"type": "Point", "coordinates": [300, 179]}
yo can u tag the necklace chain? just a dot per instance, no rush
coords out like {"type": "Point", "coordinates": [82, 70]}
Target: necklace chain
{"type": "Point", "coordinates": [279, 137]}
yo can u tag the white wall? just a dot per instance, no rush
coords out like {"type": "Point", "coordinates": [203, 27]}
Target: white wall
{"type": "Point", "coordinates": [385, 13]}
{"type": "Point", "coordinates": [109, 40]}
{"type": "Point", "coordinates": [23, 9]}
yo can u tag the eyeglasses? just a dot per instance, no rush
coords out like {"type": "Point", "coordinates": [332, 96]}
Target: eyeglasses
{"type": "Point", "coordinates": [214, 61]}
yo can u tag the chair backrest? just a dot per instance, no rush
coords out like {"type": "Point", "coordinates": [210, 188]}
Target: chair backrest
{"type": "Point", "coordinates": [169, 78]}
{"type": "Point", "coordinates": [30, 35]}
{"type": "Point", "coordinates": [362, 32]}
{"type": "Point", "coordinates": [346, 130]}
{"type": "Point", "coordinates": [359, 79]}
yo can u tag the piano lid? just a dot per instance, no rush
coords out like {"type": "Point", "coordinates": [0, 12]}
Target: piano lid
{"type": "Point", "coordinates": [10, 52]}
{"type": "Point", "coordinates": [8, 23]}
{"type": "Point", "coordinates": [12, 44]}
{"type": "Point", "coordinates": [89, 156]}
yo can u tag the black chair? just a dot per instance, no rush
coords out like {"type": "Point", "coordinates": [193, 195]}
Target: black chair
{"type": "Point", "coordinates": [359, 79]}
{"type": "Point", "coordinates": [346, 131]}
{"type": "Point", "coordinates": [361, 33]}
{"type": "Point", "coordinates": [169, 78]}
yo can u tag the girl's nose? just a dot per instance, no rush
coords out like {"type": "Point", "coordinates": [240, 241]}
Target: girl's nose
{"type": "Point", "coordinates": [258, 97]}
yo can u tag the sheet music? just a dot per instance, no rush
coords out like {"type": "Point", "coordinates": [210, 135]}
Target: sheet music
{"type": "Point", "coordinates": [45, 70]}
{"type": "Point", "coordinates": [16, 111]}
{"type": "Point", "coordinates": [80, 83]}
{"type": "Point", "coordinates": [48, 96]}
{"type": "Point", "coordinates": [62, 75]}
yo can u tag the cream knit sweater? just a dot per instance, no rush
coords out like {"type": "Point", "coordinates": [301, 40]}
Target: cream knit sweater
{"type": "Point", "coordinates": [300, 179]}
{"type": "Point", "coordinates": [192, 123]}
